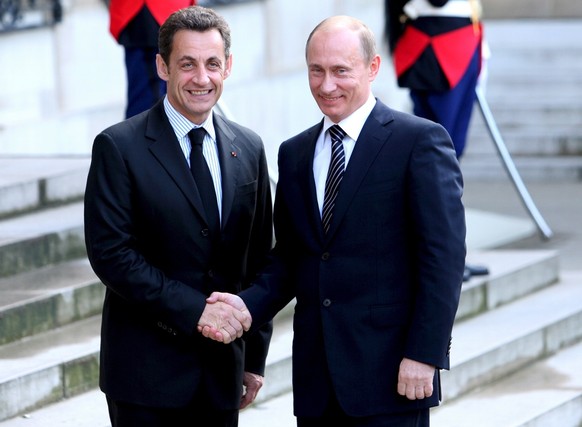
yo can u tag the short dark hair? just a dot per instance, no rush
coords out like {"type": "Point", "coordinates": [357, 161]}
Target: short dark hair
{"type": "Point", "coordinates": [193, 18]}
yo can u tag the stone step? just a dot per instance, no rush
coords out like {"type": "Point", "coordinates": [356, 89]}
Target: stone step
{"type": "Point", "coordinates": [535, 59]}
{"type": "Point", "coordinates": [532, 34]}
{"type": "Point", "coordinates": [521, 108]}
{"type": "Point", "coordinates": [64, 362]}
{"type": "Point", "coordinates": [50, 297]}
{"type": "Point", "coordinates": [543, 133]}
{"type": "Point", "coordinates": [543, 145]}
{"type": "Point", "coordinates": [534, 90]}
{"type": "Point", "coordinates": [49, 367]}
{"type": "Point", "coordinates": [545, 393]}
{"type": "Point", "coordinates": [489, 167]}
{"type": "Point", "coordinates": [512, 275]}
{"type": "Point", "coordinates": [493, 345]}
{"type": "Point", "coordinates": [33, 183]}
{"type": "Point", "coordinates": [41, 238]}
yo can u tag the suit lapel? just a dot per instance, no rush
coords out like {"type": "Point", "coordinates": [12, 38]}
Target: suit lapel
{"type": "Point", "coordinates": [307, 182]}
{"type": "Point", "coordinates": [166, 149]}
{"type": "Point", "coordinates": [371, 140]}
{"type": "Point", "coordinates": [228, 153]}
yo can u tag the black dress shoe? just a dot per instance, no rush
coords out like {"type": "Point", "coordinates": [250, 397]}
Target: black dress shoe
{"type": "Point", "coordinates": [466, 275]}
{"type": "Point", "coordinates": [476, 270]}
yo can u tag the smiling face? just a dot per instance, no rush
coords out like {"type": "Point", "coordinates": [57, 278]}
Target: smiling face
{"type": "Point", "coordinates": [340, 78]}
{"type": "Point", "coordinates": [195, 72]}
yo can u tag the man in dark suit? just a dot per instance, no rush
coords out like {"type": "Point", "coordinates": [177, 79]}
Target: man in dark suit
{"type": "Point", "coordinates": [377, 293]}
{"type": "Point", "coordinates": [151, 240]}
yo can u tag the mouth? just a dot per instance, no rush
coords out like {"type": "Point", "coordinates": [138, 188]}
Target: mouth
{"type": "Point", "coordinates": [330, 98]}
{"type": "Point", "coordinates": [199, 92]}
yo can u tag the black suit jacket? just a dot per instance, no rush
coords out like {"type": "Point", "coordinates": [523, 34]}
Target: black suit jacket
{"type": "Point", "coordinates": [384, 283]}
{"type": "Point", "coordinates": [147, 240]}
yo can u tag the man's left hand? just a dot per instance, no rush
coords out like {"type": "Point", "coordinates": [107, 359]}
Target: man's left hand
{"type": "Point", "coordinates": [252, 383]}
{"type": "Point", "coordinates": [415, 379]}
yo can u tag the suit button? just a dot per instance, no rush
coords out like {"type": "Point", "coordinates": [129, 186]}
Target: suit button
{"type": "Point", "coordinates": [205, 232]}
{"type": "Point", "coordinates": [210, 274]}
{"type": "Point", "coordinates": [325, 256]}
{"type": "Point", "coordinates": [326, 302]}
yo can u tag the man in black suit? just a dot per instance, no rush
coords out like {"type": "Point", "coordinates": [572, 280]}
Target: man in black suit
{"type": "Point", "coordinates": [377, 293]}
{"type": "Point", "coordinates": [161, 244]}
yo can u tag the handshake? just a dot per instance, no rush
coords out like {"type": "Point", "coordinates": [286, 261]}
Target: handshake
{"type": "Point", "coordinates": [225, 317]}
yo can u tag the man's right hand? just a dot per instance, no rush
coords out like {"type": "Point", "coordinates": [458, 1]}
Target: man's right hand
{"type": "Point", "coordinates": [224, 318]}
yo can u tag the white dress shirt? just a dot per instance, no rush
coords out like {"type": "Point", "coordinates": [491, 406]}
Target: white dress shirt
{"type": "Point", "coordinates": [182, 126]}
{"type": "Point", "coordinates": [352, 126]}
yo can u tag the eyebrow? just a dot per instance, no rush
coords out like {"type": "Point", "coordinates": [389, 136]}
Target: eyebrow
{"type": "Point", "coordinates": [191, 58]}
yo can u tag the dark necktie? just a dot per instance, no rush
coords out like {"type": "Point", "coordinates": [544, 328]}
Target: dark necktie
{"type": "Point", "coordinates": [203, 179]}
{"type": "Point", "coordinates": [334, 174]}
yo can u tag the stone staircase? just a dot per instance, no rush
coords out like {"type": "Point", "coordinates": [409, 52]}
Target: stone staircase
{"type": "Point", "coordinates": [534, 90]}
{"type": "Point", "coordinates": [518, 364]}
{"type": "Point", "coordinates": [520, 325]}
{"type": "Point", "coordinates": [50, 299]}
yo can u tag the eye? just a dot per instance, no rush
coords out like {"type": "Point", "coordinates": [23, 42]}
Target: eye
{"type": "Point", "coordinates": [186, 66]}
{"type": "Point", "coordinates": [315, 71]}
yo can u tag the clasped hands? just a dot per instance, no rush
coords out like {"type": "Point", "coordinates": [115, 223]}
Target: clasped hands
{"type": "Point", "coordinates": [225, 317]}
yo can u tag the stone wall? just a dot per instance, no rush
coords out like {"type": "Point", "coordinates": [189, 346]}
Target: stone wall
{"type": "Point", "coordinates": [511, 9]}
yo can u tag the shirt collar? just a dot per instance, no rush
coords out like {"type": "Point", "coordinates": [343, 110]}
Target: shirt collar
{"type": "Point", "coordinates": [353, 124]}
{"type": "Point", "coordinates": [182, 125]}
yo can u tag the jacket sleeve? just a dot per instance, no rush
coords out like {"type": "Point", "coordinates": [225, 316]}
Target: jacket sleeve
{"type": "Point", "coordinates": [435, 190]}
{"type": "Point", "coordinates": [113, 246]}
{"type": "Point", "coordinates": [258, 340]}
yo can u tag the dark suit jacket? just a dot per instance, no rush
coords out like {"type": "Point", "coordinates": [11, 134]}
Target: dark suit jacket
{"type": "Point", "coordinates": [147, 240]}
{"type": "Point", "coordinates": [384, 283]}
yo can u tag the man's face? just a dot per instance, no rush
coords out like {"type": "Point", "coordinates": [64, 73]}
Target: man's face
{"type": "Point", "coordinates": [195, 73]}
{"type": "Point", "coordinates": [339, 78]}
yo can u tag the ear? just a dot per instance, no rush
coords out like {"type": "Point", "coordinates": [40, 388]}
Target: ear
{"type": "Point", "coordinates": [374, 68]}
{"type": "Point", "coordinates": [228, 67]}
{"type": "Point", "coordinates": [162, 68]}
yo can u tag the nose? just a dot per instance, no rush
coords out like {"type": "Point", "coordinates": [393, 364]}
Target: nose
{"type": "Point", "coordinates": [328, 83]}
{"type": "Point", "coordinates": [200, 76]}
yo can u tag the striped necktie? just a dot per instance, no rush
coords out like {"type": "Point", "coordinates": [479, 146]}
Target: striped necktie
{"type": "Point", "coordinates": [334, 174]}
